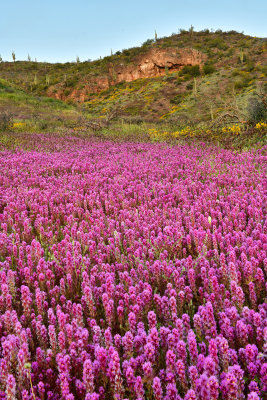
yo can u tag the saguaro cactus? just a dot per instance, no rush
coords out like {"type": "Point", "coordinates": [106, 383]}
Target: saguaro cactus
{"type": "Point", "coordinates": [241, 56]}
{"type": "Point", "coordinates": [211, 112]}
{"type": "Point", "coordinates": [195, 87]}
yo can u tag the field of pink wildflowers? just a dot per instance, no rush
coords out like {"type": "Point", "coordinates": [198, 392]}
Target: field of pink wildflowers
{"type": "Point", "coordinates": [132, 271]}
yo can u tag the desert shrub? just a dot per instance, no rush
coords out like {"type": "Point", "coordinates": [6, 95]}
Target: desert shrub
{"type": "Point", "coordinates": [208, 68]}
{"type": "Point", "coordinates": [67, 91]}
{"type": "Point", "coordinates": [148, 42]}
{"type": "Point", "coordinates": [5, 120]}
{"type": "Point", "coordinates": [190, 71]}
{"type": "Point", "coordinates": [232, 32]}
{"type": "Point", "coordinates": [43, 124]}
{"type": "Point", "coordinates": [177, 99]}
{"type": "Point", "coordinates": [236, 72]}
{"type": "Point", "coordinates": [71, 82]}
{"type": "Point", "coordinates": [230, 52]}
{"type": "Point", "coordinates": [256, 110]}
{"type": "Point", "coordinates": [250, 66]}
{"type": "Point", "coordinates": [204, 32]}
{"type": "Point", "coordinates": [242, 83]}
{"type": "Point", "coordinates": [183, 31]}
{"type": "Point", "coordinates": [189, 86]}
{"type": "Point", "coordinates": [218, 43]}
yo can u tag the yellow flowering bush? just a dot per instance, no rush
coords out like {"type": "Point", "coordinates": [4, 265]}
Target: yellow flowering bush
{"type": "Point", "coordinates": [200, 132]}
{"type": "Point", "coordinates": [234, 129]}
{"type": "Point", "coordinates": [261, 125]}
{"type": "Point", "coordinates": [18, 126]}
{"type": "Point", "coordinates": [158, 136]}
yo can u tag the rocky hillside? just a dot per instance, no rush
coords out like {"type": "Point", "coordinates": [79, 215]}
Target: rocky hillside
{"type": "Point", "coordinates": [190, 76]}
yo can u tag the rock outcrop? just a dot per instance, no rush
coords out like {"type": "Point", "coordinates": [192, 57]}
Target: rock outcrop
{"type": "Point", "coordinates": [156, 62]}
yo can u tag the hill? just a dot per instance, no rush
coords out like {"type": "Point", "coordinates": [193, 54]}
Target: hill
{"type": "Point", "coordinates": [187, 78]}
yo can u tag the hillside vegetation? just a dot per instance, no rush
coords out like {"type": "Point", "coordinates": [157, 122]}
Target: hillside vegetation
{"type": "Point", "coordinates": [229, 87]}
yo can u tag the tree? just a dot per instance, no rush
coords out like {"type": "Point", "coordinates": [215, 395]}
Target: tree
{"type": "Point", "coordinates": [1, 58]}
{"type": "Point", "coordinates": [29, 58]}
{"type": "Point", "coordinates": [13, 56]}
{"type": "Point", "coordinates": [77, 59]}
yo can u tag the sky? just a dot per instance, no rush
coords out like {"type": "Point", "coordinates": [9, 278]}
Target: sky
{"type": "Point", "coordinates": [61, 30]}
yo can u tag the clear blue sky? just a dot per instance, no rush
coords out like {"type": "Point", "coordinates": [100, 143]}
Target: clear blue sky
{"type": "Point", "coordinates": [60, 30]}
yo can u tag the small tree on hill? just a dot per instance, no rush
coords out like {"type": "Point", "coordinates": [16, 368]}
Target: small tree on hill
{"type": "Point", "coordinates": [13, 56]}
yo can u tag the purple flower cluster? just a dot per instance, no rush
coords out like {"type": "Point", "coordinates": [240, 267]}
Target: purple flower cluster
{"type": "Point", "coordinates": [132, 271]}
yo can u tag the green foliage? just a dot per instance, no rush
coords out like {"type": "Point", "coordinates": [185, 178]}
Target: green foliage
{"type": "Point", "coordinates": [189, 86]}
{"type": "Point", "coordinates": [250, 66]}
{"type": "Point", "coordinates": [209, 68]}
{"type": "Point", "coordinates": [241, 83]}
{"type": "Point", "coordinates": [183, 31]}
{"type": "Point", "coordinates": [177, 99]}
{"type": "Point", "coordinates": [72, 81]}
{"type": "Point", "coordinates": [190, 71]}
{"type": "Point", "coordinates": [148, 42]}
{"type": "Point", "coordinates": [257, 110]}
{"type": "Point", "coordinates": [5, 120]}
{"type": "Point", "coordinates": [218, 43]}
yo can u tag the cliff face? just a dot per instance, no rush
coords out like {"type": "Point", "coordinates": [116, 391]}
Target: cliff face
{"type": "Point", "coordinates": [156, 62]}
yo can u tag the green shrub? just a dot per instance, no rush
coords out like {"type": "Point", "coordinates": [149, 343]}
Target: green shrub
{"type": "Point", "coordinates": [230, 52]}
{"type": "Point", "coordinates": [250, 66]}
{"type": "Point", "coordinates": [217, 43]}
{"type": "Point", "coordinates": [189, 86]}
{"type": "Point", "coordinates": [190, 71]}
{"type": "Point", "coordinates": [208, 68]}
{"type": "Point", "coordinates": [5, 120]}
{"type": "Point", "coordinates": [241, 83]}
{"type": "Point", "coordinates": [177, 99]}
{"type": "Point", "coordinates": [236, 72]}
{"type": "Point", "coordinates": [256, 110]}
{"type": "Point", "coordinates": [148, 42]}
